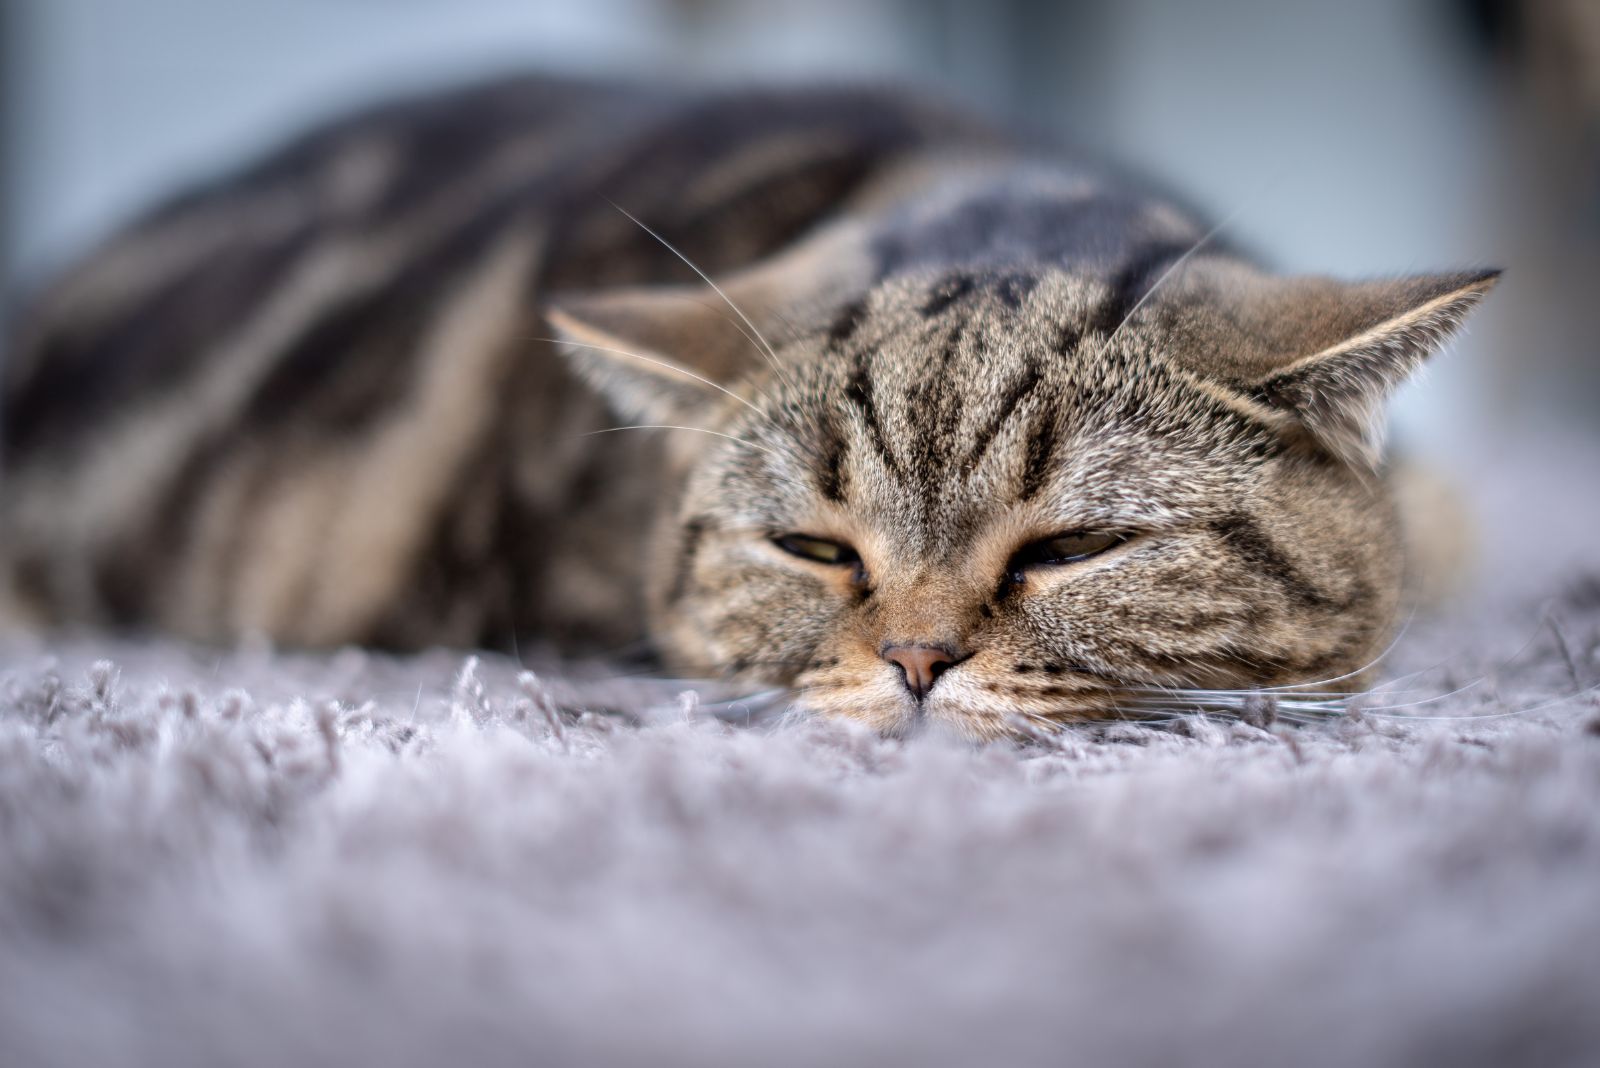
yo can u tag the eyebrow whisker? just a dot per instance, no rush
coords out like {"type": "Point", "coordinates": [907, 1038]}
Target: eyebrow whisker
{"type": "Point", "coordinates": [766, 347]}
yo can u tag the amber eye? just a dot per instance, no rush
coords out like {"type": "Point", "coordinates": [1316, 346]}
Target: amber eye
{"type": "Point", "coordinates": [820, 550]}
{"type": "Point", "coordinates": [1063, 549]}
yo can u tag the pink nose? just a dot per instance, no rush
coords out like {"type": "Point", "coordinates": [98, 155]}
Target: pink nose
{"type": "Point", "coordinates": [920, 665]}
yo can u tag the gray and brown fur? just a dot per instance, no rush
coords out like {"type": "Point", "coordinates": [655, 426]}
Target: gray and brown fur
{"type": "Point", "coordinates": [314, 402]}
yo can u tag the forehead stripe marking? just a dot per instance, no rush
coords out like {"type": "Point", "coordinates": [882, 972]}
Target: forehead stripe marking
{"type": "Point", "coordinates": [848, 321]}
{"type": "Point", "coordinates": [859, 394]}
{"type": "Point", "coordinates": [1015, 394]}
{"type": "Point", "coordinates": [1041, 450]}
{"type": "Point", "coordinates": [830, 459]}
{"type": "Point", "coordinates": [950, 290]}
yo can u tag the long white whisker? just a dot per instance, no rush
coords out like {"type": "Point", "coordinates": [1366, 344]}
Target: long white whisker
{"type": "Point", "coordinates": [1586, 691]}
{"type": "Point", "coordinates": [1370, 664]}
{"type": "Point", "coordinates": [772, 356]}
{"type": "Point", "coordinates": [1205, 239]}
{"type": "Point", "coordinates": [766, 695]}
{"type": "Point", "coordinates": [731, 321]}
{"type": "Point", "coordinates": [1366, 709]}
{"type": "Point", "coordinates": [1240, 705]}
{"type": "Point", "coordinates": [663, 364]}
{"type": "Point", "coordinates": [1199, 691]}
{"type": "Point", "coordinates": [1383, 687]}
{"type": "Point", "coordinates": [1303, 712]}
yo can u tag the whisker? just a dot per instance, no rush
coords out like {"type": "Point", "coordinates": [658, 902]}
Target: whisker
{"type": "Point", "coordinates": [1240, 707]}
{"type": "Point", "coordinates": [1533, 636]}
{"type": "Point", "coordinates": [1529, 710]}
{"type": "Point", "coordinates": [663, 364]}
{"type": "Point", "coordinates": [749, 707]}
{"type": "Point", "coordinates": [1369, 665]}
{"type": "Point", "coordinates": [772, 356]}
{"type": "Point", "coordinates": [1204, 240]}
{"type": "Point", "coordinates": [1306, 687]}
{"type": "Point", "coordinates": [714, 674]}
{"type": "Point", "coordinates": [1252, 692]}
{"type": "Point", "coordinates": [767, 695]}
{"type": "Point", "coordinates": [731, 321]}
{"type": "Point", "coordinates": [1305, 712]}
{"type": "Point", "coordinates": [794, 332]}
{"type": "Point", "coordinates": [1386, 687]}
{"type": "Point", "coordinates": [1367, 709]}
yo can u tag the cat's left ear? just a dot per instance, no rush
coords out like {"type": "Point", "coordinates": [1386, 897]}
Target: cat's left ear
{"type": "Point", "coordinates": [1386, 330]}
{"type": "Point", "coordinates": [658, 354]}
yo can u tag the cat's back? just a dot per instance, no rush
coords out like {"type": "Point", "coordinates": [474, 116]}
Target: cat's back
{"type": "Point", "coordinates": [421, 185]}
{"type": "Point", "coordinates": [314, 380]}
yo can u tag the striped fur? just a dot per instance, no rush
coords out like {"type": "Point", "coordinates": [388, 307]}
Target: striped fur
{"type": "Point", "coordinates": [315, 401]}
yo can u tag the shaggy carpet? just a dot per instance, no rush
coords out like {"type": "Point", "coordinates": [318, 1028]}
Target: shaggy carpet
{"type": "Point", "coordinates": [256, 858]}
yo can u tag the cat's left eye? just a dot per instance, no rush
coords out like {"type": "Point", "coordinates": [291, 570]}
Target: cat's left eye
{"type": "Point", "coordinates": [820, 550]}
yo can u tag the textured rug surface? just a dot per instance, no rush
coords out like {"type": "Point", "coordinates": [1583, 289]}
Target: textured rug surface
{"type": "Point", "coordinates": [255, 858]}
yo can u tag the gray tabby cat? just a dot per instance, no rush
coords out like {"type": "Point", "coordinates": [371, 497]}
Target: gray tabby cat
{"type": "Point", "coordinates": [963, 434]}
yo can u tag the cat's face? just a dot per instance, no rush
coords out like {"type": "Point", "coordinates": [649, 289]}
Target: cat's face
{"type": "Point", "coordinates": [963, 506]}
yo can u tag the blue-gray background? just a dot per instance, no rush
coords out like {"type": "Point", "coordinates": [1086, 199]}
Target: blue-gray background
{"type": "Point", "coordinates": [1359, 137]}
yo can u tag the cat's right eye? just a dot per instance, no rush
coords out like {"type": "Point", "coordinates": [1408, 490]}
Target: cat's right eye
{"type": "Point", "coordinates": [819, 550]}
{"type": "Point", "coordinates": [1066, 548]}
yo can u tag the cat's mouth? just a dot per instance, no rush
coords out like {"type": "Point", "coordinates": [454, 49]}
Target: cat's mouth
{"type": "Point", "coordinates": [971, 705]}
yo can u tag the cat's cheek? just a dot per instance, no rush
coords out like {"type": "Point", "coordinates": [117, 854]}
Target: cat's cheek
{"type": "Point", "coordinates": [1098, 613]}
{"type": "Point", "coordinates": [962, 706]}
{"type": "Point", "coordinates": [873, 699]}
{"type": "Point", "coordinates": [991, 700]}
{"type": "Point", "coordinates": [757, 623]}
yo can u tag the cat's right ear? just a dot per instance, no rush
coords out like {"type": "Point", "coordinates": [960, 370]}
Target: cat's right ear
{"type": "Point", "coordinates": [660, 355]}
{"type": "Point", "coordinates": [1365, 344]}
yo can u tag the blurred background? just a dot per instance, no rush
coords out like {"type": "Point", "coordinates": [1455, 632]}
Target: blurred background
{"type": "Point", "coordinates": [1359, 137]}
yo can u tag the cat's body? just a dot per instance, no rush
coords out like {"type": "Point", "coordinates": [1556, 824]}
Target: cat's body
{"type": "Point", "coordinates": [315, 402]}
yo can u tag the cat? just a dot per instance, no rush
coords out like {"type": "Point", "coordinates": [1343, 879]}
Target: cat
{"type": "Point", "coordinates": [830, 390]}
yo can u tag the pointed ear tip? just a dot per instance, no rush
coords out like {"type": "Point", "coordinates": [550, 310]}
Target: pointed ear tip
{"type": "Point", "coordinates": [1468, 286]}
{"type": "Point", "coordinates": [1474, 282]}
{"type": "Point", "coordinates": [1445, 283]}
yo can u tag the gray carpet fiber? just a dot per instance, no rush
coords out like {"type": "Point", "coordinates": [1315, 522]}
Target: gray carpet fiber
{"type": "Point", "coordinates": [257, 858]}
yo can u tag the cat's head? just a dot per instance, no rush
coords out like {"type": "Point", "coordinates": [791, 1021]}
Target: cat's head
{"type": "Point", "coordinates": [971, 501]}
